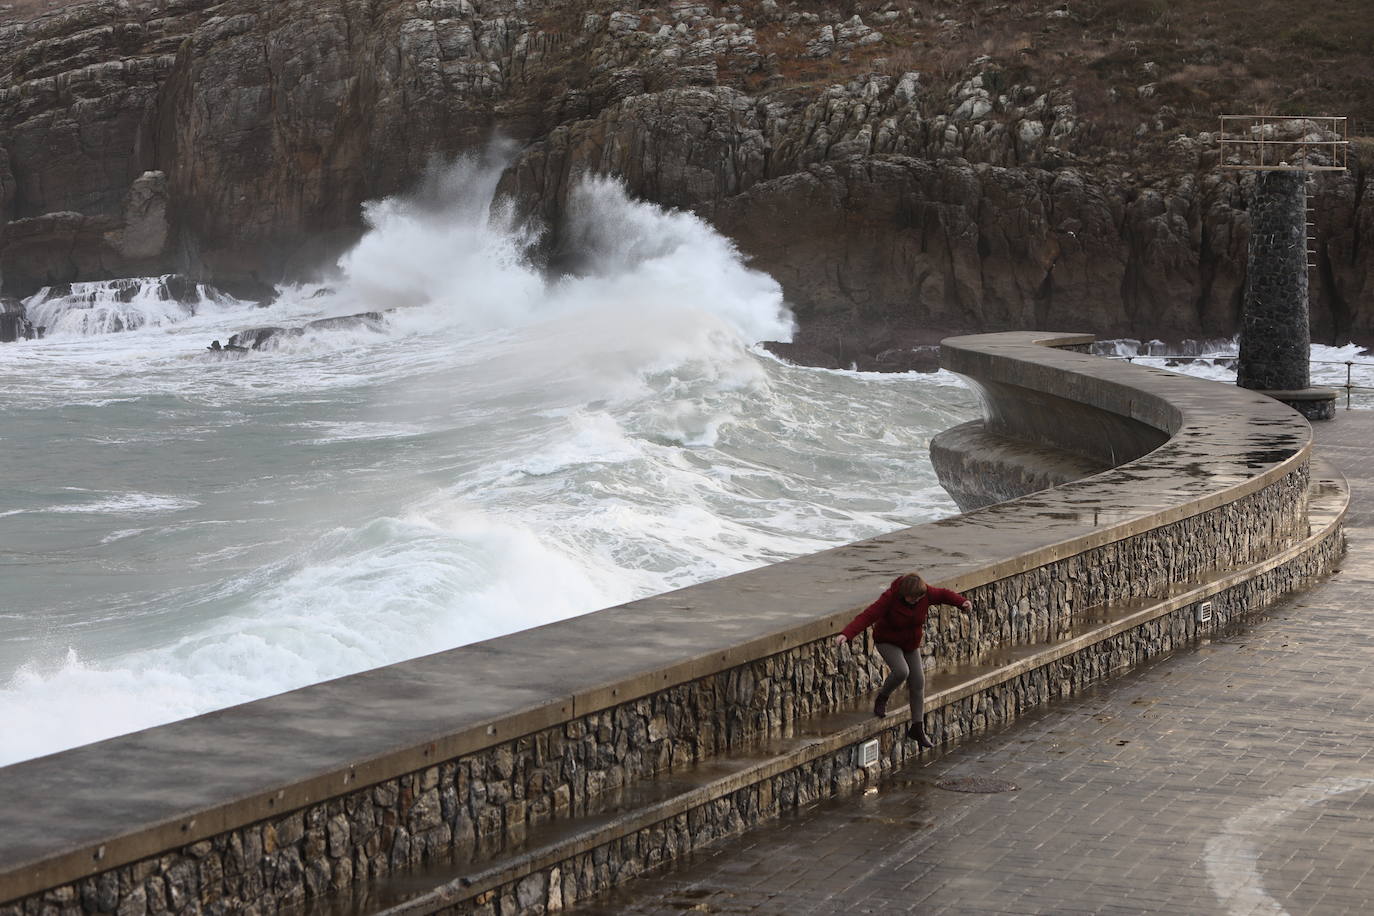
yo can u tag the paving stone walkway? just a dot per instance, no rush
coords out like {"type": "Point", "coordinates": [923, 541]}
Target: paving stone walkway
{"type": "Point", "coordinates": [1234, 778]}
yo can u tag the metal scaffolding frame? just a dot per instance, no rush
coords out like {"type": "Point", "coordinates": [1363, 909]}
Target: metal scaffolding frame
{"type": "Point", "coordinates": [1273, 143]}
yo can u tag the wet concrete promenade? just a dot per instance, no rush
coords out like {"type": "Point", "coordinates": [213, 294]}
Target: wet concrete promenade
{"type": "Point", "coordinates": [1234, 778]}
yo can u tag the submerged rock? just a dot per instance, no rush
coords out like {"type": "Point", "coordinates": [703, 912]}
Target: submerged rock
{"type": "Point", "coordinates": [258, 338]}
{"type": "Point", "coordinates": [266, 338]}
{"type": "Point", "coordinates": [14, 325]}
{"type": "Point", "coordinates": [371, 321]}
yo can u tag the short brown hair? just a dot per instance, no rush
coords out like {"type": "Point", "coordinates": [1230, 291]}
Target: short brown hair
{"type": "Point", "coordinates": [911, 586]}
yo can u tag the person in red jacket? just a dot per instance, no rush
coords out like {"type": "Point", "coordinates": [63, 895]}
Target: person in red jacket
{"type": "Point", "coordinates": [898, 619]}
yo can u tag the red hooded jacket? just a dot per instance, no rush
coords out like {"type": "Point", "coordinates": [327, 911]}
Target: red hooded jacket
{"type": "Point", "coordinates": [896, 622]}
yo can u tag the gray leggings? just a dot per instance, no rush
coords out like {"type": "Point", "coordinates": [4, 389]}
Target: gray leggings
{"type": "Point", "coordinates": [904, 666]}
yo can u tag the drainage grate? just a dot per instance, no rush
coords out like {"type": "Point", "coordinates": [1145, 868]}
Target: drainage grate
{"type": "Point", "coordinates": [977, 784]}
{"type": "Point", "coordinates": [1204, 612]}
{"type": "Point", "coordinates": [868, 753]}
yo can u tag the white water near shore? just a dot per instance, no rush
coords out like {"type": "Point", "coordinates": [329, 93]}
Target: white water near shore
{"type": "Point", "coordinates": [1331, 366]}
{"type": "Point", "coordinates": [183, 530]}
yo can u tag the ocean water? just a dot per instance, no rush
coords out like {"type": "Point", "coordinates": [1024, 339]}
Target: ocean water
{"type": "Point", "coordinates": [1331, 366]}
{"type": "Point", "coordinates": [183, 530]}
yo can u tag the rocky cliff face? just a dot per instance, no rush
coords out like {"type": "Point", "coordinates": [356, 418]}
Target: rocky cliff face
{"type": "Point", "coordinates": [234, 141]}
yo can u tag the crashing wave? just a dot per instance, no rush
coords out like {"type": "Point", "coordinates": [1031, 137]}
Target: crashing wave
{"type": "Point", "coordinates": [112, 306]}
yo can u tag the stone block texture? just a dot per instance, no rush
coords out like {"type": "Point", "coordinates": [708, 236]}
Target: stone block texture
{"type": "Point", "coordinates": [1275, 343]}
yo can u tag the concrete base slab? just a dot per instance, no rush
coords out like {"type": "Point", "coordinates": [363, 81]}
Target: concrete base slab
{"type": "Point", "coordinates": [1312, 403]}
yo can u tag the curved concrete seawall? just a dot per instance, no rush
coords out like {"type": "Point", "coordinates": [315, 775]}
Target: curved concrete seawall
{"type": "Point", "coordinates": [322, 794]}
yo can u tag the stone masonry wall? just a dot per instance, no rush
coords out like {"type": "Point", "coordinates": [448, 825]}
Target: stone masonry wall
{"type": "Point", "coordinates": [1045, 601]}
{"type": "Point", "coordinates": [840, 773]}
{"type": "Point", "coordinates": [980, 468]}
{"type": "Point", "coordinates": [1275, 343]}
{"type": "Point", "coordinates": [474, 803]}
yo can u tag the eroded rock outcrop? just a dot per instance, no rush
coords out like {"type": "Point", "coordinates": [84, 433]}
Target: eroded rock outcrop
{"type": "Point", "coordinates": [14, 324]}
{"type": "Point", "coordinates": [872, 245]}
{"type": "Point", "coordinates": [234, 140]}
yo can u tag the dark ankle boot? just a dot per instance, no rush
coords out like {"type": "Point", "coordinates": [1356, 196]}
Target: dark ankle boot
{"type": "Point", "coordinates": [880, 706]}
{"type": "Point", "coordinates": [917, 732]}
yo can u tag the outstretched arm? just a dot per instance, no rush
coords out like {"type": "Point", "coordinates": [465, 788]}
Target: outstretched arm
{"type": "Point", "coordinates": [866, 617]}
{"type": "Point", "coordinates": [945, 596]}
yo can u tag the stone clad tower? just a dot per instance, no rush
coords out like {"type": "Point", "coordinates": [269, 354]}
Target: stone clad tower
{"type": "Point", "coordinates": [1275, 343]}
